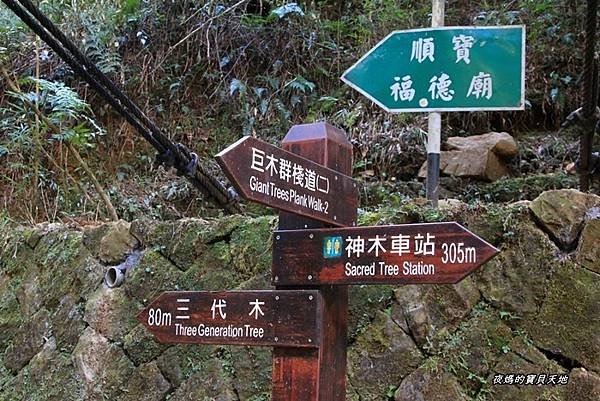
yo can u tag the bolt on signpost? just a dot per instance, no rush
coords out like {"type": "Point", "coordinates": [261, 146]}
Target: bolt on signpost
{"type": "Point", "coordinates": [443, 69]}
{"type": "Point", "coordinates": [306, 318]}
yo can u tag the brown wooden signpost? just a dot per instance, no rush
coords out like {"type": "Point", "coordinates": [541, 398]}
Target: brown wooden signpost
{"type": "Point", "coordinates": [442, 253]}
{"type": "Point", "coordinates": [287, 318]}
{"type": "Point", "coordinates": [283, 180]}
{"type": "Point", "coordinates": [309, 181]}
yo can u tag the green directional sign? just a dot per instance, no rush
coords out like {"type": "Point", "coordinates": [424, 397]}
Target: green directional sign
{"type": "Point", "coordinates": [444, 69]}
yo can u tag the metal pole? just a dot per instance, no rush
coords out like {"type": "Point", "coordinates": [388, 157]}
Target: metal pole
{"type": "Point", "coordinates": [434, 135]}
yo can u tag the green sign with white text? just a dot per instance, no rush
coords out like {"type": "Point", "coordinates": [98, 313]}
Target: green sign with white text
{"type": "Point", "coordinates": [444, 69]}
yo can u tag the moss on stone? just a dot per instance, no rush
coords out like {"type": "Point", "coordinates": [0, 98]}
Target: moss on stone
{"type": "Point", "coordinates": [212, 270]}
{"type": "Point", "coordinates": [146, 384]}
{"type": "Point", "coordinates": [363, 303]}
{"type": "Point", "coordinates": [251, 246]}
{"type": "Point", "coordinates": [523, 361]}
{"type": "Point", "coordinates": [50, 376]}
{"type": "Point", "coordinates": [252, 367]}
{"type": "Point", "coordinates": [210, 384]}
{"type": "Point", "coordinates": [588, 251]}
{"type": "Point", "coordinates": [11, 317]}
{"type": "Point", "coordinates": [381, 356]}
{"type": "Point", "coordinates": [153, 275]}
{"type": "Point", "coordinates": [111, 313]}
{"type": "Point", "coordinates": [180, 362]}
{"type": "Point", "coordinates": [568, 322]}
{"type": "Point", "coordinates": [67, 322]}
{"type": "Point", "coordinates": [424, 310]}
{"type": "Point", "coordinates": [430, 382]}
{"type": "Point", "coordinates": [473, 348]}
{"type": "Point", "coordinates": [140, 345]}
{"type": "Point", "coordinates": [184, 240]}
{"type": "Point", "coordinates": [60, 256]}
{"type": "Point", "coordinates": [27, 341]}
{"type": "Point", "coordinates": [102, 366]}
{"type": "Point", "coordinates": [516, 280]}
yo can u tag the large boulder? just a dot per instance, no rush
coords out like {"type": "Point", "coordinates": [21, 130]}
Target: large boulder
{"type": "Point", "coordinates": [562, 213]}
{"type": "Point", "coordinates": [480, 156]}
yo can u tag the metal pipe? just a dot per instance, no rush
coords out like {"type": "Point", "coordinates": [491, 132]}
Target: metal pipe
{"type": "Point", "coordinates": [115, 275]}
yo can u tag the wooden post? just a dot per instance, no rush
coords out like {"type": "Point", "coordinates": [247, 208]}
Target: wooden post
{"type": "Point", "coordinates": [304, 374]}
{"type": "Point", "coordinates": [434, 135]}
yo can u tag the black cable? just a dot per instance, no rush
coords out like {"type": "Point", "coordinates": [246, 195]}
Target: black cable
{"type": "Point", "coordinates": [184, 161]}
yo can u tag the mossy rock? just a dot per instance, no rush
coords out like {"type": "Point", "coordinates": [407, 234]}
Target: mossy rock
{"type": "Point", "coordinates": [180, 362]}
{"type": "Point", "coordinates": [50, 376]}
{"type": "Point", "coordinates": [363, 303]}
{"type": "Point", "coordinates": [27, 341]}
{"type": "Point", "coordinates": [380, 357]}
{"type": "Point", "coordinates": [251, 246]}
{"type": "Point", "coordinates": [102, 366]}
{"type": "Point", "coordinates": [183, 241]}
{"type": "Point", "coordinates": [430, 382]}
{"type": "Point", "coordinates": [424, 310]}
{"type": "Point", "coordinates": [405, 212]}
{"type": "Point", "coordinates": [583, 386]}
{"type": "Point", "coordinates": [110, 242]}
{"type": "Point", "coordinates": [111, 313]}
{"type": "Point", "coordinates": [15, 252]}
{"type": "Point", "coordinates": [141, 346]}
{"type": "Point", "coordinates": [153, 275]}
{"type": "Point", "coordinates": [588, 251]}
{"type": "Point", "coordinates": [146, 384]}
{"type": "Point", "coordinates": [61, 256]}
{"type": "Point", "coordinates": [67, 322]}
{"type": "Point", "coordinates": [212, 270]}
{"type": "Point", "coordinates": [251, 369]}
{"type": "Point", "coordinates": [494, 223]}
{"type": "Point", "coordinates": [473, 348]}
{"type": "Point", "coordinates": [210, 384]}
{"type": "Point", "coordinates": [521, 361]}
{"type": "Point", "coordinates": [568, 322]}
{"type": "Point", "coordinates": [562, 213]}
{"type": "Point", "coordinates": [11, 317]}
{"type": "Point", "coordinates": [517, 279]}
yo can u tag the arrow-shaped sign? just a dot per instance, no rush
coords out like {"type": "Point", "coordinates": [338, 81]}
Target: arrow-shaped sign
{"type": "Point", "coordinates": [399, 254]}
{"type": "Point", "coordinates": [282, 318]}
{"type": "Point", "coordinates": [277, 178]}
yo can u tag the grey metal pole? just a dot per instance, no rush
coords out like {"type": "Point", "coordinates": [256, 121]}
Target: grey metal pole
{"type": "Point", "coordinates": [434, 134]}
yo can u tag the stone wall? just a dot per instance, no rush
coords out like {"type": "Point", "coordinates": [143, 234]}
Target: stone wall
{"type": "Point", "coordinates": [535, 308]}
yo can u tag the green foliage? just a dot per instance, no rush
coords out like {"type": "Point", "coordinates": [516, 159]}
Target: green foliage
{"type": "Point", "coordinates": [63, 108]}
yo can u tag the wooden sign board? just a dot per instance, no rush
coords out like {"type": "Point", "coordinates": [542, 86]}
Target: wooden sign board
{"type": "Point", "coordinates": [398, 254]}
{"type": "Point", "coordinates": [277, 178]}
{"type": "Point", "coordinates": [282, 318]}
